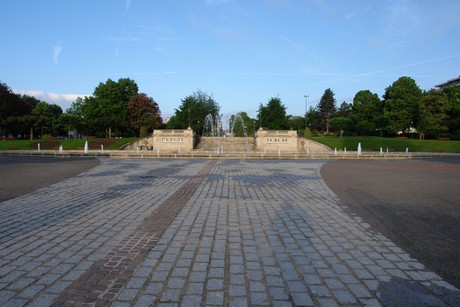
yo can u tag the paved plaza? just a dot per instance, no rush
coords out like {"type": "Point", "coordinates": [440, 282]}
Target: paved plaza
{"type": "Point", "coordinates": [191, 232]}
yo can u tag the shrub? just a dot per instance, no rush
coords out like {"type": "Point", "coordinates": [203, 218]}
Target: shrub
{"type": "Point", "coordinates": [307, 134]}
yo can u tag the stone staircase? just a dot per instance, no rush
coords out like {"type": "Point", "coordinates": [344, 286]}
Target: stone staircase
{"type": "Point", "coordinates": [226, 144]}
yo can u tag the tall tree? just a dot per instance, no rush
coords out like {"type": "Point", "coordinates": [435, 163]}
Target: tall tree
{"type": "Point", "coordinates": [453, 122]}
{"type": "Point", "coordinates": [193, 111]}
{"type": "Point", "coordinates": [12, 104]}
{"type": "Point", "coordinates": [344, 109]}
{"type": "Point", "coordinates": [143, 111]}
{"type": "Point", "coordinates": [76, 108]}
{"type": "Point", "coordinates": [314, 119]}
{"type": "Point", "coordinates": [432, 112]}
{"type": "Point", "coordinates": [47, 117]}
{"type": "Point", "coordinates": [366, 112]}
{"type": "Point", "coordinates": [326, 107]}
{"type": "Point", "coordinates": [400, 103]}
{"type": "Point", "coordinates": [108, 105]}
{"type": "Point", "coordinates": [273, 115]}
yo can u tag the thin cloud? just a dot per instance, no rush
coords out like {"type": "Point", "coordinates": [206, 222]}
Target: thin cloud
{"type": "Point", "coordinates": [279, 74]}
{"type": "Point", "coordinates": [216, 2]}
{"type": "Point", "coordinates": [146, 73]}
{"type": "Point", "coordinates": [57, 49]}
{"type": "Point", "coordinates": [354, 14]}
{"type": "Point", "coordinates": [292, 43]}
{"type": "Point", "coordinates": [381, 72]}
{"type": "Point", "coordinates": [127, 7]}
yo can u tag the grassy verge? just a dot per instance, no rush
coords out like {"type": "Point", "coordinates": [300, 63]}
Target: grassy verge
{"type": "Point", "coordinates": [109, 144]}
{"type": "Point", "coordinates": [393, 144]}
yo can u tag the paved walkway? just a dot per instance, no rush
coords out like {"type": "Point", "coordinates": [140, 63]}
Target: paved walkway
{"type": "Point", "coordinates": [201, 232]}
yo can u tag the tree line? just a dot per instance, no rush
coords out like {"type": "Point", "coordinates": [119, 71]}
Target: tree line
{"type": "Point", "coordinates": [405, 109]}
{"type": "Point", "coordinates": [118, 109]}
{"type": "Point", "coordinates": [115, 109]}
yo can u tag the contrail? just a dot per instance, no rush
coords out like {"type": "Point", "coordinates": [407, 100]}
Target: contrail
{"type": "Point", "coordinates": [375, 72]}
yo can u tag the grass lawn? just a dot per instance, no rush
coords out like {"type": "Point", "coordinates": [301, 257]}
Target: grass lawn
{"type": "Point", "coordinates": [66, 144]}
{"type": "Point", "coordinates": [393, 144]}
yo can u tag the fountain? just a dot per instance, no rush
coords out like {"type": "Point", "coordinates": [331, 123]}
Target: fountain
{"type": "Point", "coordinates": [359, 149]}
{"type": "Point", "coordinates": [86, 147]}
{"type": "Point", "coordinates": [212, 131]}
{"type": "Point", "coordinates": [244, 131]}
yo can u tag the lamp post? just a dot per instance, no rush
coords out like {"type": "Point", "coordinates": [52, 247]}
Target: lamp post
{"type": "Point", "coordinates": [306, 109]}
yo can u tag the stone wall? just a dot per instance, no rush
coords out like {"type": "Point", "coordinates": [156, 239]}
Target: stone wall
{"type": "Point", "coordinates": [171, 140]}
{"type": "Point", "coordinates": [276, 140]}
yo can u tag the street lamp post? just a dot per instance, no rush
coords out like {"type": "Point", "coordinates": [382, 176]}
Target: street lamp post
{"type": "Point", "coordinates": [306, 109]}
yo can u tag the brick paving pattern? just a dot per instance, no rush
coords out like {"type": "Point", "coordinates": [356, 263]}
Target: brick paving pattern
{"type": "Point", "coordinates": [197, 232]}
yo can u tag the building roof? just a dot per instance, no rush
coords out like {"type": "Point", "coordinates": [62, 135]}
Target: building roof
{"type": "Point", "coordinates": [448, 82]}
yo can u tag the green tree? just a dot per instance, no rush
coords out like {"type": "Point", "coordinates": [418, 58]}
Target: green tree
{"type": "Point", "coordinates": [340, 124]}
{"type": "Point", "coordinates": [273, 115]}
{"type": "Point", "coordinates": [47, 116]}
{"type": "Point", "coordinates": [326, 107]}
{"type": "Point", "coordinates": [143, 111]}
{"type": "Point", "coordinates": [10, 103]}
{"type": "Point", "coordinates": [366, 112]}
{"type": "Point", "coordinates": [344, 109]}
{"type": "Point", "coordinates": [70, 121]}
{"type": "Point", "coordinates": [401, 101]}
{"type": "Point", "coordinates": [432, 112]}
{"type": "Point", "coordinates": [453, 121]}
{"type": "Point", "coordinates": [76, 108]}
{"type": "Point", "coordinates": [296, 123]}
{"type": "Point", "coordinates": [107, 108]}
{"type": "Point", "coordinates": [314, 119]}
{"type": "Point", "coordinates": [193, 111]}
{"type": "Point", "coordinates": [172, 123]}
{"type": "Point", "coordinates": [13, 108]}
{"type": "Point", "coordinates": [242, 125]}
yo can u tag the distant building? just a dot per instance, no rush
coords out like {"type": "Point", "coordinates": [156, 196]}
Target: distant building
{"type": "Point", "coordinates": [449, 83]}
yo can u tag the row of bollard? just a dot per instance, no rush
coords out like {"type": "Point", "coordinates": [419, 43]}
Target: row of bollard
{"type": "Point", "coordinates": [85, 149]}
{"type": "Point", "coordinates": [359, 151]}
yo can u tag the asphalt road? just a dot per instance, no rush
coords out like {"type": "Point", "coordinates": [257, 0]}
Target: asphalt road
{"type": "Point", "coordinates": [22, 175]}
{"type": "Point", "coordinates": [415, 203]}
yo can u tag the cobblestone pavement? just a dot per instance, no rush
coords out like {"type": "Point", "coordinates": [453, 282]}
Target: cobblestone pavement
{"type": "Point", "coordinates": [201, 232]}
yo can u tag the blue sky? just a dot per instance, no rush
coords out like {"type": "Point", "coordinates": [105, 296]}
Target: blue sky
{"type": "Point", "coordinates": [241, 51]}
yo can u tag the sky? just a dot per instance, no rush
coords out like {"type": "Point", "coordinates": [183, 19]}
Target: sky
{"type": "Point", "coordinates": [242, 52]}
